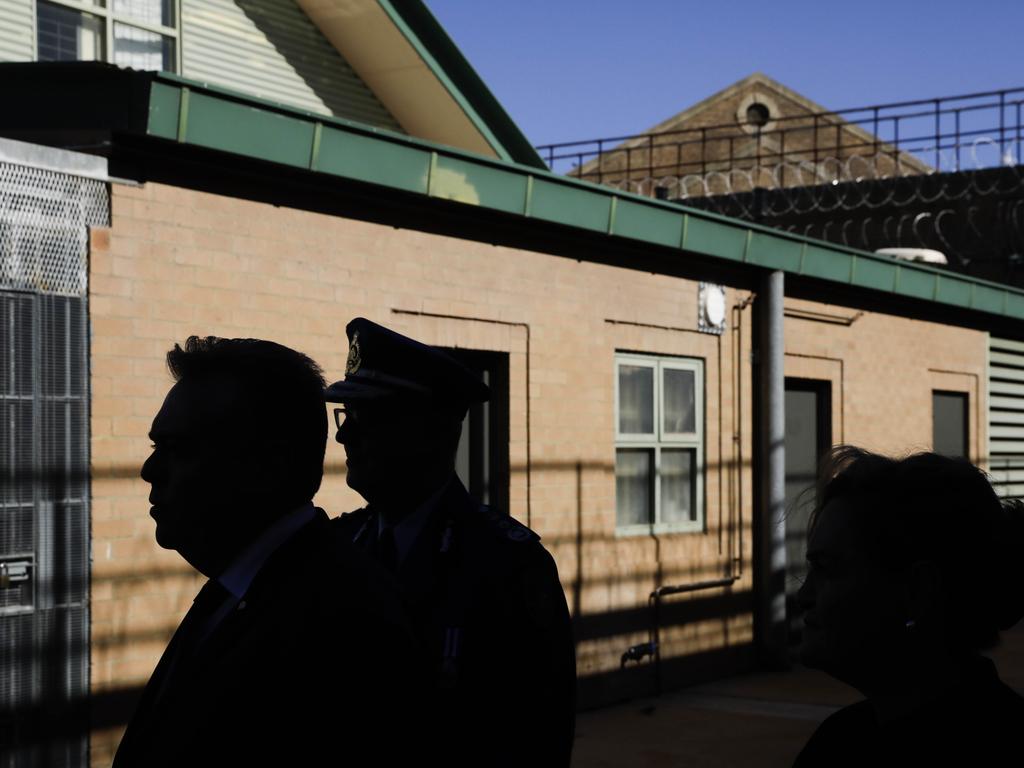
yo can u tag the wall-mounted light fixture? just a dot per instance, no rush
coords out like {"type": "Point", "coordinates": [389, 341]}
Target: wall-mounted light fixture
{"type": "Point", "coordinates": [711, 308]}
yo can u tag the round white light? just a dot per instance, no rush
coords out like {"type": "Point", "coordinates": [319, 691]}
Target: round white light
{"type": "Point", "coordinates": [714, 306]}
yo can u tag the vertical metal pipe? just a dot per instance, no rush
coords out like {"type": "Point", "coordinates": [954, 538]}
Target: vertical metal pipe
{"type": "Point", "coordinates": [782, 157]}
{"type": "Point", "coordinates": [957, 115]}
{"type": "Point", "coordinates": [1002, 126]}
{"type": "Point", "coordinates": [896, 142]}
{"type": "Point", "coordinates": [771, 531]}
{"type": "Point", "coordinates": [874, 133]}
{"type": "Point", "coordinates": [1018, 133]}
{"type": "Point", "coordinates": [650, 159]}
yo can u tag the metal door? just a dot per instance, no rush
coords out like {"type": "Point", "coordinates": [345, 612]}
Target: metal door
{"type": "Point", "coordinates": [808, 436]}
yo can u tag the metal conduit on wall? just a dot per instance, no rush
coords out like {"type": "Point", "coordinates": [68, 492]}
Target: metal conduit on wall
{"type": "Point", "coordinates": [769, 525]}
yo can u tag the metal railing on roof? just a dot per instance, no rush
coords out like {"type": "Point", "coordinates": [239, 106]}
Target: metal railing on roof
{"type": "Point", "coordinates": [970, 131]}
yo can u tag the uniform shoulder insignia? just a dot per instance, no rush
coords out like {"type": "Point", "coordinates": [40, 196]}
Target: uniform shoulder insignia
{"type": "Point", "coordinates": [507, 526]}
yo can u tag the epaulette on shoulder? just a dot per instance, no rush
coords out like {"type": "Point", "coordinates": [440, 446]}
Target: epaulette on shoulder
{"type": "Point", "coordinates": [507, 526]}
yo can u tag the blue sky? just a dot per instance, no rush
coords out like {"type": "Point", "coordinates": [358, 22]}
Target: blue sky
{"type": "Point", "coordinates": [576, 69]}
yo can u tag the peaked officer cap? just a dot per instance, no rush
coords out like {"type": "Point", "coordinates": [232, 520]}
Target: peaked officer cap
{"type": "Point", "coordinates": [382, 363]}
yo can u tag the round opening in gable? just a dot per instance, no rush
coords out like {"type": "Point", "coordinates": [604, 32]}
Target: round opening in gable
{"type": "Point", "coordinates": [758, 115]}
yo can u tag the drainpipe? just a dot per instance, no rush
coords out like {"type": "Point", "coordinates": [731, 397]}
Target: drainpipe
{"type": "Point", "coordinates": [770, 532]}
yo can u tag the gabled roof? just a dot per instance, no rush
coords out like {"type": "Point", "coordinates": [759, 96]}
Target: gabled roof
{"type": "Point", "coordinates": [691, 115]}
{"type": "Point", "coordinates": [757, 78]}
{"type": "Point", "coordinates": [417, 72]}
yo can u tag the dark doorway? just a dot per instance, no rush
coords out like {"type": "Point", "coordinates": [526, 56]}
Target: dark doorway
{"type": "Point", "coordinates": [949, 424]}
{"type": "Point", "coordinates": [482, 459]}
{"type": "Point", "coordinates": [808, 436]}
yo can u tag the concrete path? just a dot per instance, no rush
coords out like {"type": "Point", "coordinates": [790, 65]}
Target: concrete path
{"type": "Point", "coordinates": [760, 720]}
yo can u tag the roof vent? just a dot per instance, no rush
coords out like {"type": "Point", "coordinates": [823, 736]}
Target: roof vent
{"type": "Point", "coordinates": [916, 254]}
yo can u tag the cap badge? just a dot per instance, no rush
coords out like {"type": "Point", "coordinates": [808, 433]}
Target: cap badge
{"type": "Point", "coordinates": [355, 356]}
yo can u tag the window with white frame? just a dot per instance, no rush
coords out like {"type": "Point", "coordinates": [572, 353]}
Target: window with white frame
{"type": "Point", "coordinates": [659, 443]}
{"type": "Point", "coordinates": [141, 34]}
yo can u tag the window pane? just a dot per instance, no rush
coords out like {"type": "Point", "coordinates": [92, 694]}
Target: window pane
{"type": "Point", "coordinates": [949, 424]}
{"type": "Point", "coordinates": [139, 49]}
{"type": "Point", "coordinates": [149, 11]}
{"type": "Point", "coordinates": [67, 35]}
{"type": "Point", "coordinates": [633, 486]}
{"type": "Point", "coordinates": [680, 402]}
{"type": "Point", "coordinates": [678, 486]}
{"type": "Point", "coordinates": [636, 400]}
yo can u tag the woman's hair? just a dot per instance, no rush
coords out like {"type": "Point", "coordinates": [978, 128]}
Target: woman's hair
{"type": "Point", "coordinates": [927, 507]}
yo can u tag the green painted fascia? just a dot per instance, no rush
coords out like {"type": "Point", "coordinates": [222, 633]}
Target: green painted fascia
{"type": "Point", "coordinates": [439, 52]}
{"type": "Point", "coordinates": [171, 108]}
{"type": "Point", "coordinates": [168, 89]}
{"type": "Point", "coordinates": [191, 113]}
{"type": "Point", "coordinates": [101, 100]}
{"type": "Point", "coordinates": [169, 78]}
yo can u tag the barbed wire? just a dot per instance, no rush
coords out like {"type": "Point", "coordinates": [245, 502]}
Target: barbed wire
{"type": "Point", "coordinates": [961, 234]}
{"type": "Point", "coordinates": [970, 206]}
{"type": "Point", "coordinates": [843, 184]}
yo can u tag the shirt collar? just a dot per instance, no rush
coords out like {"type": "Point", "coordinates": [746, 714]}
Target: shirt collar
{"type": "Point", "coordinates": [243, 569]}
{"type": "Point", "coordinates": [408, 529]}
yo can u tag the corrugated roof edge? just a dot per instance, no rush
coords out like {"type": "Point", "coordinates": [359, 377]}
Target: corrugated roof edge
{"type": "Point", "coordinates": [192, 113]}
{"type": "Point", "coordinates": [448, 64]}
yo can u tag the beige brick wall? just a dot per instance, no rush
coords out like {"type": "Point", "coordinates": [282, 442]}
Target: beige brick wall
{"type": "Point", "coordinates": [883, 370]}
{"type": "Point", "coordinates": [177, 262]}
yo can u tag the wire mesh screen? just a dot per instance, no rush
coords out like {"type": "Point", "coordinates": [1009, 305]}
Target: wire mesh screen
{"type": "Point", "coordinates": [44, 217]}
{"type": "Point", "coordinates": [44, 463]}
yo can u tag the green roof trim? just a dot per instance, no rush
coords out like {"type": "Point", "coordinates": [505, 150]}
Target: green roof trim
{"type": "Point", "coordinates": [439, 52]}
{"type": "Point", "coordinates": [61, 98]}
{"type": "Point", "coordinates": [708, 234]}
{"type": "Point", "coordinates": [350, 150]}
{"type": "Point", "coordinates": [637, 221]}
{"type": "Point", "coordinates": [774, 252]}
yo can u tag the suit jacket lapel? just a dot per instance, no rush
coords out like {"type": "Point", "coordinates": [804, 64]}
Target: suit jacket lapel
{"type": "Point", "coordinates": [147, 714]}
{"type": "Point", "coordinates": [417, 573]}
{"type": "Point", "coordinates": [422, 575]}
{"type": "Point", "coordinates": [173, 675]}
{"type": "Point", "coordinates": [252, 606]}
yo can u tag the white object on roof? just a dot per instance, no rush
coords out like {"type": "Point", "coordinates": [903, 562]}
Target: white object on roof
{"type": "Point", "coordinates": [916, 254]}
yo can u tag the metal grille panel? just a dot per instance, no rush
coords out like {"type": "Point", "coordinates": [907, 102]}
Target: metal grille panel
{"type": "Point", "coordinates": [44, 462]}
{"type": "Point", "coordinates": [1006, 416]}
{"type": "Point", "coordinates": [44, 217]}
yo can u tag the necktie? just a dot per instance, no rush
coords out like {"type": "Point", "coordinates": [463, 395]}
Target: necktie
{"type": "Point", "coordinates": [198, 622]}
{"type": "Point", "coordinates": [387, 552]}
{"type": "Point", "coordinates": [193, 628]}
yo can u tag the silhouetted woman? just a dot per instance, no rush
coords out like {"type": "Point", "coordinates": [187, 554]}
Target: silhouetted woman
{"type": "Point", "coordinates": [914, 566]}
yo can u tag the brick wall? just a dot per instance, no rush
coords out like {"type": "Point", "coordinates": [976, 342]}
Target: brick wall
{"type": "Point", "coordinates": [177, 262]}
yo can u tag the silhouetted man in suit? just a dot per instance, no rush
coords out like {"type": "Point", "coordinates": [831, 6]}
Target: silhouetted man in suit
{"type": "Point", "coordinates": [295, 645]}
{"type": "Point", "coordinates": [484, 593]}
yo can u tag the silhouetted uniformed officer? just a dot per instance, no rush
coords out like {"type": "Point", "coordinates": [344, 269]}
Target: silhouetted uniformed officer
{"type": "Point", "coordinates": [484, 593]}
